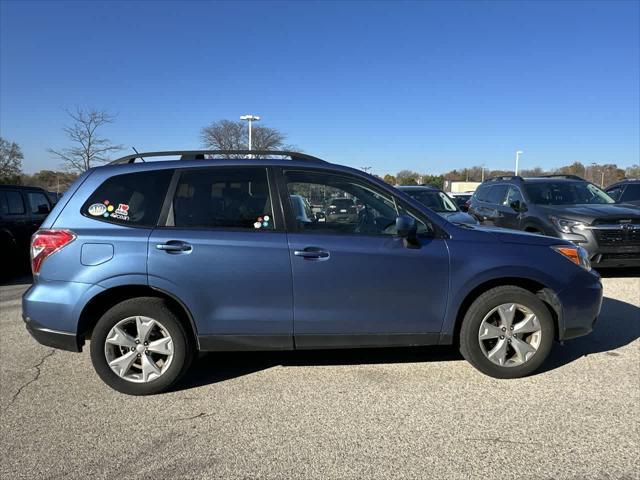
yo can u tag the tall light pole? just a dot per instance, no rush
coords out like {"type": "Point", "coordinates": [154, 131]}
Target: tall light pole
{"type": "Point", "coordinates": [518, 153]}
{"type": "Point", "coordinates": [482, 166]}
{"type": "Point", "coordinates": [250, 118]}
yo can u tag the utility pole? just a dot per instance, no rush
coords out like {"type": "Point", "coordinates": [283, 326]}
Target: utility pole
{"type": "Point", "coordinates": [366, 169]}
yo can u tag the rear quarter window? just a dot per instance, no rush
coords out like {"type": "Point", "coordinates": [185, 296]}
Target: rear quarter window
{"type": "Point", "coordinates": [133, 199]}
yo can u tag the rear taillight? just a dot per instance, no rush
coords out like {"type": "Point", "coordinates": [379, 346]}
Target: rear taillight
{"type": "Point", "coordinates": [48, 242]}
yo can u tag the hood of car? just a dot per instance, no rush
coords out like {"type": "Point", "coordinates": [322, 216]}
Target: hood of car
{"type": "Point", "coordinates": [459, 217]}
{"type": "Point", "coordinates": [589, 213]}
{"type": "Point", "coordinates": [506, 235]}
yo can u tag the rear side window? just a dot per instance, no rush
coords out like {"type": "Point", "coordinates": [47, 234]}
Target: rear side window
{"type": "Point", "coordinates": [38, 203]}
{"type": "Point", "coordinates": [131, 199]}
{"type": "Point", "coordinates": [233, 198]}
{"type": "Point", "coordinates": [496, 194]}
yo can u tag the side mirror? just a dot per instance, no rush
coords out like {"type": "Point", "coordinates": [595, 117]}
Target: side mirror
{"type": "Point", "coordinates": [518, 206]}
{"type": "Point", "coordinates": [42, 209]}
{"type": "Point", "coordinates": [407, 229]}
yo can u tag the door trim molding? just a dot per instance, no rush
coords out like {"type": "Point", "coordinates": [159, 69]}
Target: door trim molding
{"type": "Point", "coordinates": [367, 340]}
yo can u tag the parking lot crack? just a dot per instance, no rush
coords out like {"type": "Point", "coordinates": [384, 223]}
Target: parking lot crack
{"type": "Point", "coordinates": [35, 378]}
{"type": "Point", "coordinates": [193, 417]}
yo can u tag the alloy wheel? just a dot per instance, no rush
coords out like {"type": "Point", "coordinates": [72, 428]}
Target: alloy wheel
{"type": "Point", "coordinates": [139, 349]}
{"type": "Point", "coordinates": [510, 335]}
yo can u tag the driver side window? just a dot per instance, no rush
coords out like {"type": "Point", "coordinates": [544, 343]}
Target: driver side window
{"type": "Point", "coordinates": [338, 204]}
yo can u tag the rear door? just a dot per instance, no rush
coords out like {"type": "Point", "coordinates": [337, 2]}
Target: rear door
{"type": "Point", "coordinates": [222, 251]}
{"type": "Point", "coordinates": [355, 283]}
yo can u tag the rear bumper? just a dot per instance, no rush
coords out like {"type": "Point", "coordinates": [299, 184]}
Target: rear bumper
{"type": "Point", "coordinates": [53, 338]}
{"type": "Point", "coordinates": [51, 311]}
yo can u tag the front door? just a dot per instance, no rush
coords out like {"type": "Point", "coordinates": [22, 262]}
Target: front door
{"type": "Point", "coordinates": [355, 283]}
{"type": "Point", "coordinates": [224, 255]}
{"type": "Point", "coordinates": [509, 217]}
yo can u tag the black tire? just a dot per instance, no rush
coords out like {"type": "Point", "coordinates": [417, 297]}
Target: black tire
{"type": "Point", "coordinates": [157, 309]}
{"type": "Point", "coordinates": [469, 330]}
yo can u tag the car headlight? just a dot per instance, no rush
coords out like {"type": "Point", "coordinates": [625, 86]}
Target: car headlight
{"type": "Point", "coordinates": [576, 254]}
{"type": "Point", "coordinates": [567, 226]}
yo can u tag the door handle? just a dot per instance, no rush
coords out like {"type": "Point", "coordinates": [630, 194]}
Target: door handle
{"type": "Point", "coordinates": [312, 253]}
{"type": "Point", "coordinates": [174, 246]}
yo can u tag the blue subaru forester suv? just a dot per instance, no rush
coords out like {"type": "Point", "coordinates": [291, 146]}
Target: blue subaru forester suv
{"type": "Point", "coordinates": [154, 261]}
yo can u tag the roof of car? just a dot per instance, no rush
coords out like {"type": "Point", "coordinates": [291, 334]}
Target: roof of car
{"type": "Point", "coordinates": [20, 187]}
{"type": "Point", "coordinates": [625, 181]}
{"type": "Point", "coordinates": [417, 187]}
{"type": "Point", "coordinates": [210, 158]}
{"type": "Point", "coordinates": [541, 178]}
{"type": "Point", "coordinates": [553, 179]}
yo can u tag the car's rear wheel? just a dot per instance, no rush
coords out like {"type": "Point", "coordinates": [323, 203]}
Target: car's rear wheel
{"type": "Point", "coordinates": [507, 332]}
{"type": "Point", "coordinates": [140, 347]}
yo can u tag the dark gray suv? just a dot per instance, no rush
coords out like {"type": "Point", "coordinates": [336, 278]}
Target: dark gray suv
{"type": "Point", "coordinates": [566, 207]}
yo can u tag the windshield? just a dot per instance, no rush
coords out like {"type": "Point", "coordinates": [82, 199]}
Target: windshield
{"type": "Point", "coordinates": [566, 193]}
{"type": "Point", "coordinates": [435, 200]}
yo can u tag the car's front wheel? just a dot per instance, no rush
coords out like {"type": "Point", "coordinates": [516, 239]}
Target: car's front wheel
{"type": "Point", "coordinates": [140, 347]}
{"type": "Point", "coordinates": [507, 332]}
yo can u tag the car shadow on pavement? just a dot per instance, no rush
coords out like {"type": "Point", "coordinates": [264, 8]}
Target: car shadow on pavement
{"type": "Point", "coordinates": [217, 367]}
{"type": "Point", "coordinates": [617, 326]}
{"type": "Point", "coordinates": [619, 272]}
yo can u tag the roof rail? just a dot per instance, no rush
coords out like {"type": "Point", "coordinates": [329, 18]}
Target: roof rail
{"type": "Point", "coordinates": [503, 178]}
{"type": "Point", "coordinates": [201, 155]}
{"type": "Point", "coordinates": [571, 177]}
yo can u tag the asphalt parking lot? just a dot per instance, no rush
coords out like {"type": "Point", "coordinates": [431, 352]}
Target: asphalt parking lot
{"type": "Point", "coordinates": [410, 413]}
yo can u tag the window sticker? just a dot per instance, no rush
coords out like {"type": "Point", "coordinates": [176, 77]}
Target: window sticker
{"type": "Point", "coordinates": [262, 221]}
{"type": "Point", "coordinates": [97, 209]}
{"type": "Point", "coordinates": [121, 213]}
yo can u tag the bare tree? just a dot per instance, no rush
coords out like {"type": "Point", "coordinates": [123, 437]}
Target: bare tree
{"type": "Point", "coordinates": [10, 161]}
{"type": "Point", "coordinates": [89, 148]}
{"type": "Point", "coordinates": [230, 135]}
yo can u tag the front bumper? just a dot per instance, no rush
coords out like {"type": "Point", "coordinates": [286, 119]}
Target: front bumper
{"type": "Point", "coordinates": [605, 251]}
{"type": "Point", "coordinates": [580, 306]}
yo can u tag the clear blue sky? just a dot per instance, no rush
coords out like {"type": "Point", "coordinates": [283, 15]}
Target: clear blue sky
{"type": "Point", "coordinates": [428, 86]}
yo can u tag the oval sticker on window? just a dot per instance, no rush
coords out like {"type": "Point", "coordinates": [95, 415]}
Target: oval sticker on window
{"type": "Point", "coordinates": [97, 209]}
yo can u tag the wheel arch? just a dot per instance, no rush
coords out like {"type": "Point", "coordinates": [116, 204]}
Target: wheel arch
{"type": "Point", "coordinates": [100, 303]}
{"type": "Point", "coordinates": [542, 291]}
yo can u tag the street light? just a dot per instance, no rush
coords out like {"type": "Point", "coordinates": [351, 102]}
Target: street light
{"type": "Point", "coordinates": [250, 118]}
{"type": "Point", "coordinates": [518, 153]}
